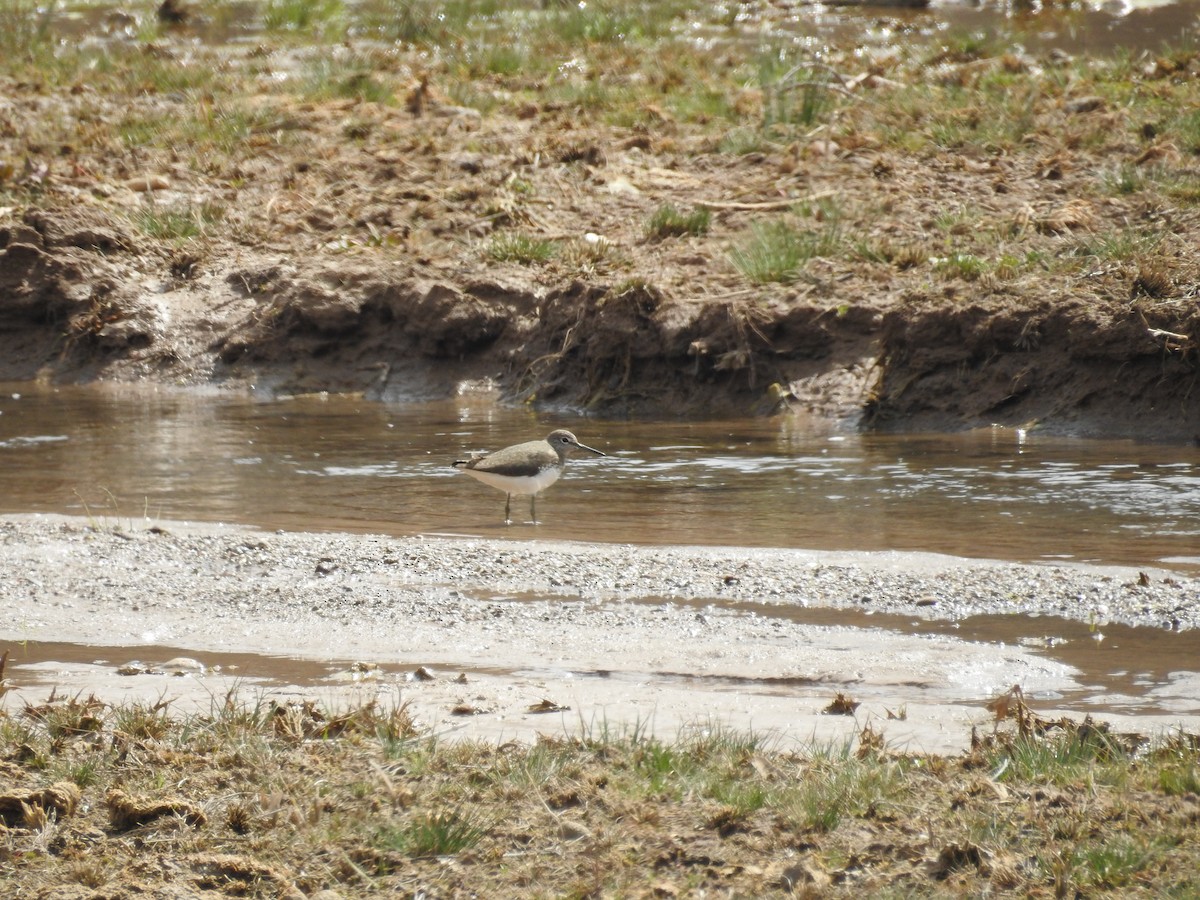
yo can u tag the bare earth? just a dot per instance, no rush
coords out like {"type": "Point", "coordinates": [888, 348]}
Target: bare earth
{"type": "Point", "coordinates": [509, 640]}
{"type": "Point", "coordinates": [354, 250]}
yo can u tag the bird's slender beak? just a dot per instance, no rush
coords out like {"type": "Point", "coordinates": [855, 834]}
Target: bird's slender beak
{"type": "Point", "coordinates": [590, 449]}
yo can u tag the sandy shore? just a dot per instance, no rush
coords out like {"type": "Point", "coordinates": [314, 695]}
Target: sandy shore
{"type": "Point", "coordinates": [522, 638]}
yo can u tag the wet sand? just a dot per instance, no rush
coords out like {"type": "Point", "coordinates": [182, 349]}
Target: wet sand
{"type": "Point", "coordinates": [506, 640]}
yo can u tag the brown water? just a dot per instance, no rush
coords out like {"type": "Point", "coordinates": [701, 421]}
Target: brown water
{"type": "Point", "coordinates": [1105, 26]}
{"type": "Point", "coordinates": [334, 463]}
{"type": "Point", "coordinates": [1119, 668]}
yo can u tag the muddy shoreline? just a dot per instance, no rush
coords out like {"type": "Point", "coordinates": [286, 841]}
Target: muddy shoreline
{"type": "Point", "coordinates": [904, 360]}
{"type": "Point", "coordinates": [407, 247]}
{"type": "Point", "coordinates": [610, 634]}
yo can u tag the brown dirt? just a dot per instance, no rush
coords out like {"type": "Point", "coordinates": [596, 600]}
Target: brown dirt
{"type": "Point", "coordinates": [353, 258]}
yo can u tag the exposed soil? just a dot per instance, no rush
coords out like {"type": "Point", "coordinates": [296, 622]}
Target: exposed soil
{"type": "Point", "coordinates": [352, 257]}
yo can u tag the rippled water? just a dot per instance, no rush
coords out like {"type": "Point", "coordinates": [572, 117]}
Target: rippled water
{"type": "Point", "coordinates": [329, 463]}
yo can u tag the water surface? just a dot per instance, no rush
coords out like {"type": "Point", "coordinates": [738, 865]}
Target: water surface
{"type": "Point", "coordinates": [320, 463]}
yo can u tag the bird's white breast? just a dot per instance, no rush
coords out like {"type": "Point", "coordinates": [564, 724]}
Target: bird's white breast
{"type": "Point", "coordinates": [523, 486]}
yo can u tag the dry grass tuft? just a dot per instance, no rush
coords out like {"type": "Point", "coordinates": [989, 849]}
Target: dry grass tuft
{"type": "Point", "coordinates": [290, 800]}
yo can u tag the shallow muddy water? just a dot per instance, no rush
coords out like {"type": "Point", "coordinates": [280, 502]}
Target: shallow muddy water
{"type": "Point", "coordinates": [1115, 669]}
{"type": "Point", "coordinates": [334, 463]}
{"type": "Point", "coordinates": [1126, 26]}
{"type": "Point", "coordinates": [1106, 25]}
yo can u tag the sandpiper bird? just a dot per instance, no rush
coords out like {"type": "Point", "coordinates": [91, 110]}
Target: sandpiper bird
{"type": "Point", "coordinates": [524, 469]}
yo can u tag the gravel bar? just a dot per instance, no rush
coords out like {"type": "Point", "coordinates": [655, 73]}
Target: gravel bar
{"type": "Point", "coordinates": [227, 571]}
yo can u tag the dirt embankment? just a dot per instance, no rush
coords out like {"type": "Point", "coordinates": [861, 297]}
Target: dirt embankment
{"type": "Point", "coordinates": [371, 265]}
{"type": "Point", "coordinates": [79, 301]}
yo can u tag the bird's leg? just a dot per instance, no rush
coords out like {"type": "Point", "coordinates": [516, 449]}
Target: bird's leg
{"type": "Point", "coordinates": [533, 508]}
{"type": "Point", "coordinates": [507, 506]}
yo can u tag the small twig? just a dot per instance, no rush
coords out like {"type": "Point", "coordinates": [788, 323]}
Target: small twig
{"type": "Point", "coordinates": [1160, 333]}
{"type": "Point", "coordinates": [765, 204]}
{"type": "Point", "coordinates": [724, 295]}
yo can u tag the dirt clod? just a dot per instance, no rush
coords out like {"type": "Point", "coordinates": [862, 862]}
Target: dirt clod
{"type": "Point", "coordinates": [127, 812]}
{"type": "Point", "coordinates": [30, 809]}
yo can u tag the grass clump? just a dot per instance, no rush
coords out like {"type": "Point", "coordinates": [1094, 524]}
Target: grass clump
{"type": "Point", "coordinates": [1115, 864]}
{"type": "Point", "coordinates": [1123, 180]}
{"type": "Point", "coordinates": [346, 79]}
{"type": "Point", "coordinates": [839, 784]}
{"type": "Point", "coordinates": [778, 251]}
{"type": "Point", "coordinates": [966, 266]}
{"type": "Point", "coordinates": [404, 22]}
{"type": "Point", "coordinates": [902, 255]}
{"type": "Point", "coordinates": [520, 248]}
{"type": "Point", "coordinates": [1182, 187]}
{"type": "Point", "coordinates": [592, 255]}
{"type": "Point", "coordinates": [178, 223]}
{"type": "Point", "coordinates": [441, 833]}
{"type": "Point", "coordinates": [142, 721]}
{"type": "Point", "coordinates": [323, 16]}
{"type": "Point", "coordinates": [1124, 245]}
{"type": "Point", "coordinates": [1186, 128]}
{"type": "Point", "coordinates": [598, 23]}
{"type": "Point", "coordinates": [804, 96]}
{"type": "Point", "coordinates": [668, 221]}
{"type": "Point", "coordinates": [25, 31]}
{"type": "Point", "coordinates": [1179, 780]}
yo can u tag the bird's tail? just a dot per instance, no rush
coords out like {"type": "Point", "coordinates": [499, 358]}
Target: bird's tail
{"type": "Point", "coordinates": [475, 457]}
